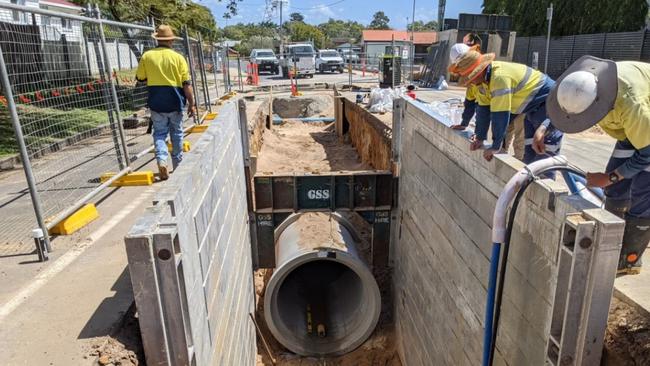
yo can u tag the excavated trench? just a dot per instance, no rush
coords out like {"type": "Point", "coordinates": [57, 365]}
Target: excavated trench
{"type": "Point", "coordinates": [323, 301]}
{"type": "Point", "coordinates": [324, 274]}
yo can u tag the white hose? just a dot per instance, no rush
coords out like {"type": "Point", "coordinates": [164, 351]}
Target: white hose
{"type": "Point", "coordinates": [511, 189]}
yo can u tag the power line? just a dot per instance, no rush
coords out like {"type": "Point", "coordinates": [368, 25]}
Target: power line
{"type": "Point", "coordinates": [318, 6]}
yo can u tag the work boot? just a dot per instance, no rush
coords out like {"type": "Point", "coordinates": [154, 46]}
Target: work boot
{"type": "Point", "coordinates": [635, 240]}
{"type": "Point", "coordinates": [162, 171]}
{"type": "Point", "coordinates": [617, 207]}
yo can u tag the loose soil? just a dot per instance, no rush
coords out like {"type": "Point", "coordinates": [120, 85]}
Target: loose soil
{"type": "Point", "coordinates": [302, 147]}
{"type": "Point", "coordinates": [379, 350]}
{"type": "Point", "coordinates": [311, 105]}
{"type": "Point", "coordinates": [627, 341]}
{"type": "Point", "coordinates": [123, 348]}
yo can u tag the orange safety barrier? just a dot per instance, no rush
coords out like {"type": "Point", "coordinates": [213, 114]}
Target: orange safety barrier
{"type": "Point", "coordinates": [252, 74]}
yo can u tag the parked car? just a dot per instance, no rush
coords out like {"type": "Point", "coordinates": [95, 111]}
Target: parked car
{"type": "Point", "coordinates": [265, 60]}
{"type": "Point", "coordinates": [350, 55]}
{"type": "Point", "coordinates": [301, 56]}
{"type": "Point", "coordinates": [329, 60]}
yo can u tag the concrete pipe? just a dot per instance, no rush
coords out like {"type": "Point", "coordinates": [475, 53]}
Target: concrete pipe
{"type": "Point", "coordinates": [322, 299]}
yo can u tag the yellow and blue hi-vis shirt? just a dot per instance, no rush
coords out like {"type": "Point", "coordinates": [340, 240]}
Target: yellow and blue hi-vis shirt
{"type": "Point", "coordinates": [513, 89]}
{"type": "Point", "coordinates": [630, 118]}
{"type": "Point", "coordinates": [165, 72]}
{"type": "Point", "coordinates": [477, 100]}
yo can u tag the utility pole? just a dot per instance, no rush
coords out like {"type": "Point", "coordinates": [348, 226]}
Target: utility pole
{"type": "Point", "coordinates": [412, 48]}
{"type": "Point", "coordinates": [281, 3]}
{"type": "Point", "coordinates": [549, 17]}
{"type": "Point", "coordinates": [441, 13]}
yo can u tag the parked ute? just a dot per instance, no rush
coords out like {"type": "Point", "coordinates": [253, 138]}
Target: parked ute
{"type": "Point", "coordinates": [350, 55]}
{"type": "Point", "coordinates": [265, 60]}
{"type": "Point", "coordinates": [301, 56]}
{"type": "Point", "coordinates": [329, 60]}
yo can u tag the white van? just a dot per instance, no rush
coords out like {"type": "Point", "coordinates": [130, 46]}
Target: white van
{"type": "Point", "coordinates": [303, 56]}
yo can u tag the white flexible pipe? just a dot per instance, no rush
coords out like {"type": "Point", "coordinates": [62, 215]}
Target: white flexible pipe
{"type": "Point", "coordinates": [511, 189]}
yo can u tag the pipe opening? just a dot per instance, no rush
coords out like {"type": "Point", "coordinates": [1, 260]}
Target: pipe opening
{"type": "Point", "coordinates": [322, 300]}
{"type": "Point", "coordinates": [321, 294]}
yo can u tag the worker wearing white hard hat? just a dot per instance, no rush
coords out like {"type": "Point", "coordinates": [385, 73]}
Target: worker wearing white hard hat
{"type": "Point", "coordinates": [616, 96]}
{"type": "Point", "coordinates": [513, 89]}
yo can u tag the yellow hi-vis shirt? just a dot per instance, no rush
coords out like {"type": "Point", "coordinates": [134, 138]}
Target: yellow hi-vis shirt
{"type": "Point", "coordinates": [478, 94]}
{"type": "Point", "coordinates": [162, 66]}
{"type": "Point", "coordinates": [512, 86]}
{"type": "Point", "coordinates": [630, 118]}
{"type": "Point", "coordinates": [165, 71]}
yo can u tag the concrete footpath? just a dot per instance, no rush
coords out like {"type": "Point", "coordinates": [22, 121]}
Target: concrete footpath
{"type": "Point", "coordinates": [53, 313]}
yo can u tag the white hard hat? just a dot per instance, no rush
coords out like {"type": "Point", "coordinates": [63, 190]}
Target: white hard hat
{"type": "Point", "coordinates": [577, 91]}
{"type": "Point", "coordinates": [456, 51]}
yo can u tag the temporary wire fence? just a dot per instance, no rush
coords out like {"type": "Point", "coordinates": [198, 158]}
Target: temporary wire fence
{"type": "Point", "coordinates": [563, 51]}
{"type": "Point", "coordinates": [69, 86]}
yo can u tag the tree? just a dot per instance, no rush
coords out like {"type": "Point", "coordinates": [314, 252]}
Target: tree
{"type": "Point", "coordinates": [296, 17]}
{"type": "Point", "coordinates": [241, 31]}
{"type": "Point", "coordinates": [253, 42]}
{"type": "Point", "coordinates": [198, 18]}
{"type": "Point", "coordinates": [302, 32]}
{"type": "Point", "coordinates": [379, 21]}
{"type": "Point", "coordinates": [421, 26]}
{"type": "Point", "coordinates": [341, 29]}
{"type": "Point", "coordinates": [571, 16]}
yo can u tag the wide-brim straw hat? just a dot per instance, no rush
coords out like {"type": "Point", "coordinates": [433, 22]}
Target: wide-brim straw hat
{"type": "Point", "coordinates": [607, 90]}
{"type": "Point", "coordinates": [164, 33]}
{"type": "Point", "coordinates": [471, 65]}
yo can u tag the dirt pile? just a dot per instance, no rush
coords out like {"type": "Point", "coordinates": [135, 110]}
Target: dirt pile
{"type": "Point", "coordinates": [305, 106]}
{"type": "Point", "coordinates": [295, 146]}
{"type": "Point", "coordinates": [627, 341]}
{"type": "Point", "coordinates": [123, 348]}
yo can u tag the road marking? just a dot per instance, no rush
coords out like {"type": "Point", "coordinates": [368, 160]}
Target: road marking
{"type": "Point", "coordinates": [66, 259]}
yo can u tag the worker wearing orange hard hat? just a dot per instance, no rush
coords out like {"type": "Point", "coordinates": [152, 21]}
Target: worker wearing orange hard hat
{"type": "Point", "coordinates": [477, 100]}
{"type": "Point", "coordinates": [513, 89]}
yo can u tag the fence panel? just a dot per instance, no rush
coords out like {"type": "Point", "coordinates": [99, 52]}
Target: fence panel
{"type": "Point", "coordinates": [521, 50]}
{"type": "Point", "coordinates": [559, 56]}
{"type": "Point", "coordinates": [67, 115]}
{"type": "Point", "coordinates": [634, 46]}
{"type": "Point", "coordinates": [82, 112]}
{"type": "Point", "coordinates": [124, 48]}
{"type": "Point", "coordinates": [588, 44]}
{"type": "Point", "coordinates": [623, 46]}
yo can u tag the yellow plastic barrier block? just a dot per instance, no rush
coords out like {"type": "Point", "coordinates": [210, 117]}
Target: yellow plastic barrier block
{"type": "Point", "coordinates": [76, 221]}
{"type": "Point", "coordinates": [199, 128]}
{"type": "Point", "coordinates": [210, 116]}
{"type": "Point", "coordinates": [144, 178]}
{"type": "Point", "coordinates": [186, 146]}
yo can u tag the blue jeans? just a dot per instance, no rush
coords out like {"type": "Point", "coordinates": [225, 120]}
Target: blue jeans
{"type": "Point", "coordinates": [168, 124]}
{"type": "Point", "coordinates": [552, 140]}
{"type": "Point", "coordinates": [635, 191]}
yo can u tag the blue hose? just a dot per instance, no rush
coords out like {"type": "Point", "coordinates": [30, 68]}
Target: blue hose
{"type": "Point", "coordinates": [595, 190]}
{"type": "Point", "coordinates": [489, 306]}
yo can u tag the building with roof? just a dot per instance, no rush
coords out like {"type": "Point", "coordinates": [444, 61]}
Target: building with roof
{"type": "Point", "coordinates": [377, 43]}
{"type": "Point", "coordinates": [51, 28]}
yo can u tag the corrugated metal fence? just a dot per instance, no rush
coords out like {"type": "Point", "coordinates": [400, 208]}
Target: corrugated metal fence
{"type": "Point", "coordinates": [563, 51]}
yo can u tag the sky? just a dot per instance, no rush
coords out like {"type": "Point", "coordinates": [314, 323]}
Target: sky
{"type": "Point", "coordinates": [319, 11]}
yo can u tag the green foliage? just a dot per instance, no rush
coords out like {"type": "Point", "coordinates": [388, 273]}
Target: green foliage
{"type": "Point", "coordinates": [572, 16]}
{"type": "Point", "coordinates": [296, 17]}
{"type": "Point", "coordinates": [300, 32]}
{"type": "Point", "coordinates": [379, 21]}
{"type": "Point", "coordinates": [241, 31]}
{"type": "Point", "coordinates": [342, 29]}
{"type": "Point", "coordinates": [65, 123]}
{"type": "Point", "coordinates": [198, 18]}
{"type": "Point", "coordinates": [248, 45]}
{"type": "Point", "coordinates": [421, 26]}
